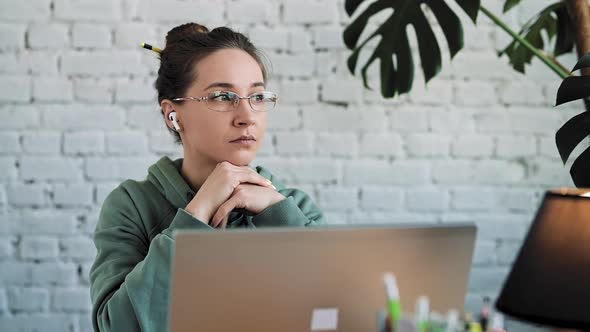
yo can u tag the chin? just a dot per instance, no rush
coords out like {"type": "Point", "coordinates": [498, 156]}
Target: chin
{"type": "Point", "coordinates": [241, 159]}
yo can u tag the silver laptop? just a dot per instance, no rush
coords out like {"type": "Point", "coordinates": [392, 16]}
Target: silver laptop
{"type": "Point", "coordinates": [308, 279]}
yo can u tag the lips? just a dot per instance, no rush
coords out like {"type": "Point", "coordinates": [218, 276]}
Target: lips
{"type": "Point", "coordinates": [243, 138]}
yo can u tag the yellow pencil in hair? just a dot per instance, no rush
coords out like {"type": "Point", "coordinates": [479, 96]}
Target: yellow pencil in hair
{"type": "Point", "coordinates": [150, 47]}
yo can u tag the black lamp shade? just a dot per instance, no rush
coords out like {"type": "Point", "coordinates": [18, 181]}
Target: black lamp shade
{"type": "Point", "coordinates": [549, 282]}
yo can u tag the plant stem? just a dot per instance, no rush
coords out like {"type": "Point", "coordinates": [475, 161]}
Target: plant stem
{"type": "Point", "coordinates": [525, 43]}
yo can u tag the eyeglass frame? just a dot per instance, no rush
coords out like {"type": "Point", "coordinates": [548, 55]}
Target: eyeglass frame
{"type": "Point", "coordinates": [205, 98]}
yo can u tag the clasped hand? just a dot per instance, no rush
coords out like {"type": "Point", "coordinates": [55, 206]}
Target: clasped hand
{"type": "Point", "coordinates": [229, 187]}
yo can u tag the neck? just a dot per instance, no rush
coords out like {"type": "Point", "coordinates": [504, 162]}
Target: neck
{"type": "Point", "coordinates": [196, 169]}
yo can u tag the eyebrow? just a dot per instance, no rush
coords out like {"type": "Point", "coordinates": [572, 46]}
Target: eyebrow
{"type": "Point", "coordinates": [231, 86]}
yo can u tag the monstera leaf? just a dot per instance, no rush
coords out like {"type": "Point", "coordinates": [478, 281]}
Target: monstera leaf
{"type": "Point", "coordinates": [553, 21]}
{"type": "Point", "coordinates": [578, 127]}
{"type": "Point", "coordinates": [397, 76]}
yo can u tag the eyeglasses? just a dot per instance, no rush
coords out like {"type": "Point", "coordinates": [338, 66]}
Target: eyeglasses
{"type": "Point", "coordinates": [226, 101]}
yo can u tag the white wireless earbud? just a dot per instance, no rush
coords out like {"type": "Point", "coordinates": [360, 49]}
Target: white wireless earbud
{"type": "Point", "coordinates": [172, 117]}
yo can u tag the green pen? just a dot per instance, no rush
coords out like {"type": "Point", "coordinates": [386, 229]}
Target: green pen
{"type": "Point", "coordinates": [393, 304]}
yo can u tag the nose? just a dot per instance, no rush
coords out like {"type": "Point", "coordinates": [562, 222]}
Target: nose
{"type": "Point", "coordinates": [243, 114]}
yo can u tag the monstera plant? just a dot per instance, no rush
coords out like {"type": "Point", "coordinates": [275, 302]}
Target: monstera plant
{"type": "Point", "coordinates": [577, 128]}
{"type": "Point", "coordinates": [552, 32]}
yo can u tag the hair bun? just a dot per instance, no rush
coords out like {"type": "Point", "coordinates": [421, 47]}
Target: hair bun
{"type": "Point", "coordinates": [183, 31]}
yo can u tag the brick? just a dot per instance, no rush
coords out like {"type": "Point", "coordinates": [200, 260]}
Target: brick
{"type": "Point", "coordinates": [548, 173]}
{"type": "Point", "coordinates": [108, 10]}
{"type": "Point", "coordinates": [48, 36]}
{"type": "Point", "coordinates": [427, 200]}
{"type": "Point", "coordinates": [93, 91]}
{"type": "Point", "coordinates": [480, 38]}
{"type": "Point", "coordinates": [472, 145]}
{"type": "Point", "coordinates": [484, 253]}
{"type": "Point", "coordinates": [451, 121]}
{"type": "Point", "coordinates": [472, 199]}
{"type": "Point", "coordinates": [342, 199]}
{"type": "Point", "coordinates": [84, 142]}
{"type": "Point", "coordinates": [12, 36]}
{"type": "Point", "coordinates": [42, 142]}
{"type": "Point", "coordinates": [81, 117]}
{"type": "Point", "coordinates": [25, 11]}
{"type": "Point", "coordinates": [146, 118]}
{"type": "Point", "coordinates": [100, 63]}
{"type": "Point", "coordinates": [269, 39]}
{"type": "Point", "coordinates": [183, 11]}
{"type": "Point", "coordinates": [375, 198]}
{"type": "Point", "coordinates": [3, 303]}
{"type": "Point", "coordinates": [8, 167]}
{"type": "Point", "coordinates": [547, 147]}
{"type": "Point", "coordinates": [85, 323]}
{"type": "Point", "coordinates": [120, 168]}
{"type": "Point", "coordinates": [39, 322]}
{"type": "Point", "coordinates": [315, 12]}
{"type": "Point", "coordinates": [435, 92]}
{"type": "Point", "coordinates": [507, 251]}
{"type": "Point", "coordinates": [39, 247]}
{"type": "Point", "coordinates": [516, 146]}
{"type": "Point", "coordinates": [284, 118]}
{"type": "Point", "coordinates": [54, 273]}
{"type": "Point", "coordinates": [27, 194]}
{"type": "Point", "coordinates": [40, 62]}
{"type": "Point", "coordinates": [6, 247]}
{"type": "Point", "coordinates": [73, 194]}
{"type": "Point", "coordinates": [28, 299]}
{"type": "Point", "coordinates": [294, 143]}
{"type": "Point", "coordinates": [344, 91]}
{"type": "Point", "coordinates": [502, 226]}
{"type": "Point", "coordinates": [126, 143]}
{"type": "Point", "coordinates": [409, 119]}
{"type": "Point", "coordinates": [15, 89]}
{"type": "Point", "coordinates": [529, 93]}
{"type": "Point", "coordinates": [93, 35]}
{"type": "Point", "coordinates": [16, 273]}
{"type": "Point", "coordinates": [135, 92]}
{"type": "Point", "coordinates": [286, 65]}
{"type": "Point", "coordinates": [21, 117]}
{"type": "Point", "coordinates": [71, 300]}
{"type": "Point", "coordinates": [385, 144]}
{"type": "Point", "coordinates": [164, 143]}
{"type": "Point", "coordinates": [378, 172]}
{"type": "Point", "coordinates": [10, 64]}
{"type": "Point", "coordinates": [482, 65]}
{"type": "Point", "coordinates": [463, 172]}
{"type": "Point", "coordinates": [50, 168]}
{"type": "Point", "coordinates": [9, 142]}
{"type": "Point", "coordinates": [428, 145]}
{"type": "Point", "coordinates": [128, 35]}
{"type": "Point", "coordinates": [300, 41]}
{"type": "Point", "coordinates": [347, 119]}
{"type": "Point", "coordinates": [397, 218]}
{"type": "Point", "coordinates": [517, 200]}
{"type": "Point", "coordinates": [475, 93]}
{"type": "Point", "coordinates": [336, 144]}
{"type": "Point", "coordinates": [77, 247]}
{"type": "Point", "coordinates": [328, 37]}
{"type": "Point", "coordinates": [46, 222]}
{"type": "Point", "coordinates": [488, 279]}
{"type": "Point", "coordinates": [55, 89]}
{"type": "Point", "coordinates": [518, 120]}
{"type": "Point", "coordinates": [85, 272]}
{"type": "Point", "coordinates": [253, 11]}
{"type": "Point", "coordinates": [299, 92]}
{"type": "Point", "coordinates": [312, 171]}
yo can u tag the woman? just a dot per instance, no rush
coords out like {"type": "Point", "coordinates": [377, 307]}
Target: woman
{"type": "Point", "coordinates": [211, 92]}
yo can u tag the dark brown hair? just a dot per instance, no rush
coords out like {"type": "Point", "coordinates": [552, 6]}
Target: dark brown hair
{"type": "Point", "coordinates": [186, 45]}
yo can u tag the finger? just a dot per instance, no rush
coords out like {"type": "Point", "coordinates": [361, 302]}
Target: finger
{"type": "Point", "coordinates": [224, 222]}
{"type": "Point", "coordinates": [250, 176]}
{"type": "Point", "coordinates": [223, 210]}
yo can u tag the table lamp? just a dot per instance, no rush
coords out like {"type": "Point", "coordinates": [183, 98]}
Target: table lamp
{"type": "Point", "coordinates": [549, 283]}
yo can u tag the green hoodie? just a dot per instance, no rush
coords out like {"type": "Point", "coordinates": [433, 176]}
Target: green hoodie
{"type": "Point", "coordinates": [134, 237]}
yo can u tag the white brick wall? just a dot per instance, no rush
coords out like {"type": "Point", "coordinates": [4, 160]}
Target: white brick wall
{"type": "Point", "coordinates": [78, 115]}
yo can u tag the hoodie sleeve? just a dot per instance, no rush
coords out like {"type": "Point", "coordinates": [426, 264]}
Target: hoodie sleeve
{"type": "Point", "coordinates": [298, 209]}
{"type": "Point", "coordinates": [129, 280]}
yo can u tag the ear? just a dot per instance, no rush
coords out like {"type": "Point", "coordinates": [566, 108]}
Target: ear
{"type": "Point", "coordinates": [168, 107]}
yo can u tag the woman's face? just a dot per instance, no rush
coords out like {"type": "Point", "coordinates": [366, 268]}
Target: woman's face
{"type": "Point", "coordinates": [211, 135]}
